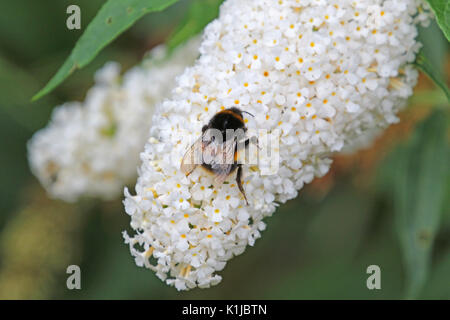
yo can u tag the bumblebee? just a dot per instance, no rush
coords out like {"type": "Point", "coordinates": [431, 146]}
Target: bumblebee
{"type": "Point", "coordinates": [217, 148]}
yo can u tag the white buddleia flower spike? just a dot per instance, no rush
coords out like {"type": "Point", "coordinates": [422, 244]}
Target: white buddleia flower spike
{"type": "Point", "coordinates": [91, 148]}
{"type": "Point", "coordinates": [320, 75]}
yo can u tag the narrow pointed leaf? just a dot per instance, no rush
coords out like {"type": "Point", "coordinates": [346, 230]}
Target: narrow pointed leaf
{"type": "Point", "coordinates": [114, 17]}
{"type": "Point", "coordinates": [420, 170]}
{"type": "Point", "coordinates": [441, 9]}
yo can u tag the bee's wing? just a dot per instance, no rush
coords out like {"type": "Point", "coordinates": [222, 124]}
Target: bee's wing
{"type": "Point", "coordinates": [192, 158]}
{"type": "Point", "coordinates": [224, 161]}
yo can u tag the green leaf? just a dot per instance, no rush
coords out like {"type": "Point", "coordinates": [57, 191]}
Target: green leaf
{"type": "Point", "coordinates": [434, 44]}
{"type": "Point", "coordinates": [437, 287]}
{"type": "Point", "coordinates": [423, 64]}
{"type": "Point", "coordinates": [419, 176]}
{"type": "Point", "coordinates": [113, 18]}
{"type": "Point", "coordinates": [441, 9]}
{"type": "Point", "coordinates": [200, 13]}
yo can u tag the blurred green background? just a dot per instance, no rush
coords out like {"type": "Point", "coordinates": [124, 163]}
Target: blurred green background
{"type": "Point", "coordinates": [387, 205]}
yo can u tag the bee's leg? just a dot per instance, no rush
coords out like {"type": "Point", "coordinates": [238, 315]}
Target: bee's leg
{"type": "Point", "coordinates": [252, 139]}
{"type": "Point", "coordinates": [244, 145]}
{"type": "Point", "coordinates": [239, 182]}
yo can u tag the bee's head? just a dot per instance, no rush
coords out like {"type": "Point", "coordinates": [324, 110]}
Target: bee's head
{"type": "Point", "coordinates": [236, 111]}
{"type": "Point", "coordinates": [239, 111]}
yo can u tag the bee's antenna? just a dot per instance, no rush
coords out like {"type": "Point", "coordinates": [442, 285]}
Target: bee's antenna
{"type": "Point", "coordinates": [248, 113]}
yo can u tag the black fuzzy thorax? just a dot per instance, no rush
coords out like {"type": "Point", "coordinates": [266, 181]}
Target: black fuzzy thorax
{"type": "Point", "coordinates": [227, 119]}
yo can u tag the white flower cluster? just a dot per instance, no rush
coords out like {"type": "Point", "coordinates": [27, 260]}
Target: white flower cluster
{"type": "Point", "coordinates": [322, 73]}
{"type": "Point", "coordinates": [92, 148]}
